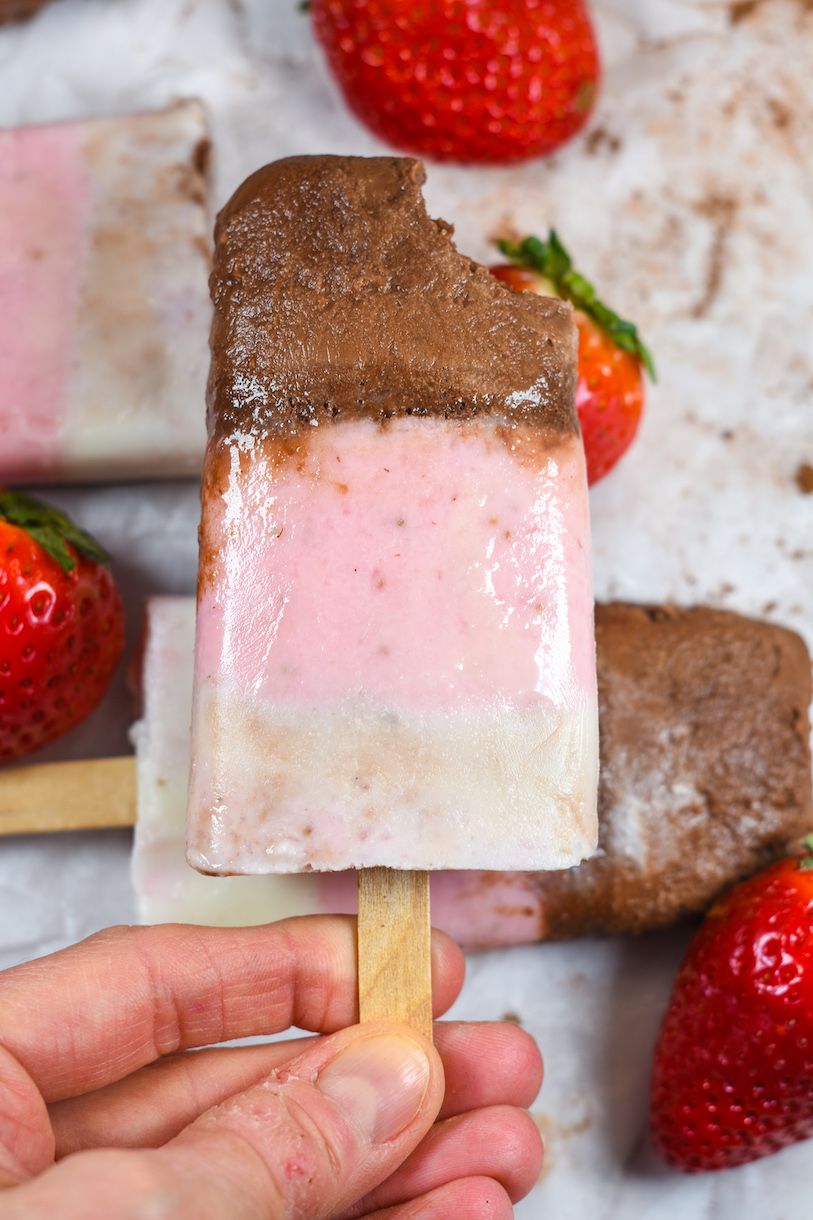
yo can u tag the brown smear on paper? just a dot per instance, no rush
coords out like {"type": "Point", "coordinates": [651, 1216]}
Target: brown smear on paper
{"type": "Point", "coordinates": [720, 210]}
{"type": "Point", "coordinates": [554, 1132]}
{"type": "Point", "coordinates": [804, 478]}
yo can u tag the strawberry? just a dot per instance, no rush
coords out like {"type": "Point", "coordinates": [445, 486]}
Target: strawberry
{"type": "Point", "coordinates": [61, 624]}
{"type": "Point", "coordinates": [610, 391]}
{"type": "Point", "coordinates": [733, 1070]}
{"type": "Point", "coordinates": [488, 81]}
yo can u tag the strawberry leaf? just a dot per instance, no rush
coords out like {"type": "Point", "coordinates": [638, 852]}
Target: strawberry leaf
{"type": "Point", "coordinates": [552, 260]}
{"type": "Point", "coordinates": [51, 528]}
{"type": "Point", "coordinates": [806, 861]}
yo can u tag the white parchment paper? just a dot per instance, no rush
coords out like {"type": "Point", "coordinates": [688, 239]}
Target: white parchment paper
{"type": "Point", "coordinates": [689, 200]}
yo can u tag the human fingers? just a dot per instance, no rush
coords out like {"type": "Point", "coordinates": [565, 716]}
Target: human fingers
{"type": "Point", "coordinates": [466, 1199]}
{"type": "Point", "coordinates": [26, 1138]}
{"type": "Point", "coordinates": [485, 1064]}
{"type": "Point", "coordinates": [306, 1141]}
{"type": "Point", "coordinates": [97, 1011]}
{"type": "Point", "coordinates": [500, 1143]}
{"type": "Point", "coordinates": [151, 1106]}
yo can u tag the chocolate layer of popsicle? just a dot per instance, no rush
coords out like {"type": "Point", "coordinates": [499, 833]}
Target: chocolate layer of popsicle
{"type": "Point", "coordinates": [705, 766]}
{"type": "Point", "coordinates": [368, 310]}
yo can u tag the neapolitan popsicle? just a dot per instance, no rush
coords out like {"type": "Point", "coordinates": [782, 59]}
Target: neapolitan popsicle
{"type": "Point", "coordinates": [104, 261]}
{"type": "Point", "coordinates": [395, 659]}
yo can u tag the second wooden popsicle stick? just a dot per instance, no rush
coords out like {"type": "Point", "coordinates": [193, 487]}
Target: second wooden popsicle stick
{"type": "Point", "coordinates": [394, 947]}
{"type": "Point", "coordinates": [88, 794]}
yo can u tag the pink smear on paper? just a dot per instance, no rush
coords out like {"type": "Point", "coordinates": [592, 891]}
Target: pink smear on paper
{"type": "Point", "coordinates": [479, 910]}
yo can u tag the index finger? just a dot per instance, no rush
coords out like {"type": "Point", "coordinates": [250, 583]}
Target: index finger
{"type": "Point", "coordinates": [95, 1012]}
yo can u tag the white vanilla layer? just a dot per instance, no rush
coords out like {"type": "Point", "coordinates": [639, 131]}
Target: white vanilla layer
{"type": "Point", "coordinates": [291, 790]}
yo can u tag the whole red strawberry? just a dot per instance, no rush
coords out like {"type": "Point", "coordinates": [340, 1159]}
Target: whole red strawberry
{"type": "Point", "coordinates": [464, 80]}
{"type": "Point", "coordinates": [610, 390]}
{"type": "Point", "coordinates": [733, 1070]}
{"type": "Point", "coordinates": [61, 624]}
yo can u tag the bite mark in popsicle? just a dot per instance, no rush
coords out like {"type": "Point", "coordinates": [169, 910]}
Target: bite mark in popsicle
{"type": "Point", "coordinates": [395, 661]}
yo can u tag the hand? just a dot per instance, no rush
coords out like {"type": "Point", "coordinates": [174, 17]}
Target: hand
{"type": "Point", "coordinates": [106, 1114]}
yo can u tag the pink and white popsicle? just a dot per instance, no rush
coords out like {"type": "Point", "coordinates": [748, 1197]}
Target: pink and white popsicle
{"type": "Point", "coordinates": [104, 261]}
{"type": "Point", "coordinates": [395, 659]}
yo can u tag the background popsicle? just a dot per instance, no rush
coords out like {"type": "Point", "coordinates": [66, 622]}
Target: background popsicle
{"type": "Point", "coordinates": [104, 259]}
{"type": "Point", "coordinates": [395, 660]}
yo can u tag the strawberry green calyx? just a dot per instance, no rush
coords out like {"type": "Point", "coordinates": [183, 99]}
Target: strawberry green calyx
{"type": "Point", "coordinates": [551, 260]}
{"type": "Point", "coordinates": [806, 861]}
{"type": "Point", "coordinates": [51, 528]}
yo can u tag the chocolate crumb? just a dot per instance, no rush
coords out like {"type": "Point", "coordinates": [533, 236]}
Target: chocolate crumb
{"type": "Point", "coordinates": [742, 10]}
{"type": "Point", "coordinates": [18, 10]}
{"type": "Point", "coordinates": [599, 138]}
{"type": "Point", "coordinates": [804, 478]}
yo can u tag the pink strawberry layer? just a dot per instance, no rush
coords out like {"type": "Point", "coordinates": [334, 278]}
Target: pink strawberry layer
{"type": "Point", "coordinates": [395, 660]}
{"type": "Point", "coordinates": [44, 202]}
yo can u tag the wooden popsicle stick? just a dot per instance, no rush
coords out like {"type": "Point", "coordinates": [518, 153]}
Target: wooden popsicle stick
{"type": "Point", "coordinates": [91, 794]}
{"type": "Point", "coordinates": [395, 966]}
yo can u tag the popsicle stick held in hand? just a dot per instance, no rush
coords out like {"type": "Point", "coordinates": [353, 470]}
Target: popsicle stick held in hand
{"type": "Point", "coordinates": [395, 972]}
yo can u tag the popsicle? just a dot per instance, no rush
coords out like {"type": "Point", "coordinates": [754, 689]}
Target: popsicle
{"type": "Point", "coordinates": [395, 658]}
{"type": "Point", "coordinates": [104, 262]}
{"type": "Point", "coordinates": [684, 696]}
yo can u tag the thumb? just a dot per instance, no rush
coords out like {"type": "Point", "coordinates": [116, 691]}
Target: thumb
{"type": "Point", "coordinates": [317, 1135]}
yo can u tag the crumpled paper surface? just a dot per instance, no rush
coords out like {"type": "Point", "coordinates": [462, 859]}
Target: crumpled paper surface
{"type": "Point", "coordinates": [689, 201]}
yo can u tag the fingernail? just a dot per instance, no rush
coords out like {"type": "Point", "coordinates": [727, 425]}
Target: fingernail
{"type": "Point", "coordinates": [378, 1083]}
